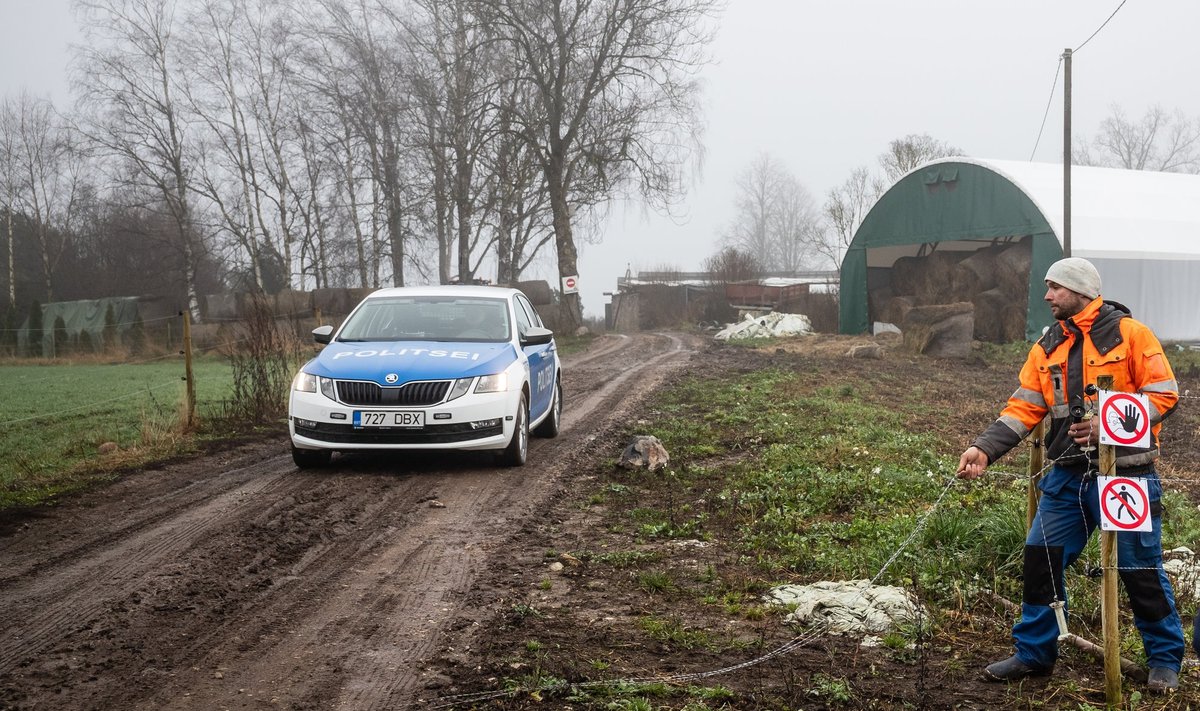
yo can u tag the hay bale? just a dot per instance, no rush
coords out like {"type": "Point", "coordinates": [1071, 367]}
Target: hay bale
{"type": "Point", "coordinates": [897, 309]}
{"type": "Point", "coordinates": [1012, 326]}
{"type": "Point", "coordinates": [990, 307]}
{"type": "Point", "coordinates": [976, 273]}
{"type": "Point", "coordinates": [1012, 268]}
{"type": "Point", "coordinates": [877, 302]}
{"type": "Point", "coordinates": [941, 330]}
{"type": "Point", "coordinates": [908, 274]}
{"type": "Point", "coordinates": [938, 276]}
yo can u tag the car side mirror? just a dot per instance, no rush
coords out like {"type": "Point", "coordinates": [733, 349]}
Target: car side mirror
{"type": "Point", "coordinates": [536, 336]}
{"type": "Point", "coordinates": [322, 334]}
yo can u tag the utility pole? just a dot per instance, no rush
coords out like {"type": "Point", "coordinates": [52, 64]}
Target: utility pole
{"type": "Point", "coordinates": [1066, 235]}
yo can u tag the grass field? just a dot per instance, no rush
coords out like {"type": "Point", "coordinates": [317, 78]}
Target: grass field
{"type": "Point", "coordinates": [55, 417]}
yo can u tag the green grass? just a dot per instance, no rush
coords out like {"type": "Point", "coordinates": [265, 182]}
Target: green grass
{"type": "Point", "coordinates": [821, 482]}
{"type": "Point", "coordinates": [54, 417]}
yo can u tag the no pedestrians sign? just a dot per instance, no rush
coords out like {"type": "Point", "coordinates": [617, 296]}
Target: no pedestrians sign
{"type": "Point", "coordinates": [1124, 504]}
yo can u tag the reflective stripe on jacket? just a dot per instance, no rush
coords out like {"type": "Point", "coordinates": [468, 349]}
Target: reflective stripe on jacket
{"type": "Point", "coordinates": [1102, 339]}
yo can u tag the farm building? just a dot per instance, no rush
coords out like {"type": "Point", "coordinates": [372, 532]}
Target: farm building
{"type": "Point", "coordinates": [981, 231]}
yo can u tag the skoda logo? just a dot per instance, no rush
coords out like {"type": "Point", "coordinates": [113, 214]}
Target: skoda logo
{"type": "Point", "coordinates": [391, 378]}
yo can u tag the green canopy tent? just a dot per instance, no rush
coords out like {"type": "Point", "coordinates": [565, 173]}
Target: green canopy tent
{"type": "Point", "coordinates": [1141, 229]}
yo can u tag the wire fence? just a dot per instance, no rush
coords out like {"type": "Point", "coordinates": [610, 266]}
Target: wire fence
{"type": "Point", "coordinates": [805, 638]}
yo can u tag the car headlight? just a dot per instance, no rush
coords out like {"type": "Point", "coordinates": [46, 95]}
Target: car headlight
{"type": "Point", "coordinates": [309, 383]}
{"type": "Point", "coordinates": [497, 383]}
{"type": "Point", "coordinates": [305, 382]}
{"type": "Point", "coordinates": [460, 388]}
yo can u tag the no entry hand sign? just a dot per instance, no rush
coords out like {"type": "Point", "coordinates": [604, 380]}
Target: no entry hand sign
{"type": "Point", "coordinates": [1124, 419]}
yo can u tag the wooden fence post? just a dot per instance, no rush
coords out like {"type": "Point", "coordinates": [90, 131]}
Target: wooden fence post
{"type": "Point", "coordinates": [1037, 460]}
{"type": "Point", "coordinates": [1108, 602]}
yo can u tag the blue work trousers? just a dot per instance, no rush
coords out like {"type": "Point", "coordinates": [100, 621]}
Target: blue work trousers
{"type": "Point", "coordinates": [1067, 514]}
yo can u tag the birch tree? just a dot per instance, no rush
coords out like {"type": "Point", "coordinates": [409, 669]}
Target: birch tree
{"type": "Point", "coordinates": [130, 86]}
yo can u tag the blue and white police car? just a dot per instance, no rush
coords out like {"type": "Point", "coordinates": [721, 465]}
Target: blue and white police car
{"type": "Point", "coordinates": [439, 367]}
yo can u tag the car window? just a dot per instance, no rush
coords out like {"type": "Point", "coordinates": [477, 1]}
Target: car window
{"type": "Point", "coordinates": [534, 318]}
{"type": "Point", "coordinates": [523, 320]}
{"type": "Point", "coordinates": [428, 318]}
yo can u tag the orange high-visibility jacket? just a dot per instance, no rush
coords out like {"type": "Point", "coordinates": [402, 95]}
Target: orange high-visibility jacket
{"type": "Point", "coordinates": [1102, 339]}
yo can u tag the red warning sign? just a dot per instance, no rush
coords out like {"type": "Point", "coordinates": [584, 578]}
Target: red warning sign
{"type": "Point", "coordinates": [1124, 419]}
{"type": "Point", "coordinates": [1124, 504]}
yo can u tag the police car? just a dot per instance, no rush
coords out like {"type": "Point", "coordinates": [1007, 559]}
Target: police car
{"type": "Point", "coordinates": [439, 367]}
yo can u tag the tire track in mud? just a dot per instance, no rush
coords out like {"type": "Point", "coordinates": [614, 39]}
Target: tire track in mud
{"type": "Point", "coordinates": [261, 586]}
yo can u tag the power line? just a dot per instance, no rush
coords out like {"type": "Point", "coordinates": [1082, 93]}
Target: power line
{"type": "Point", "coordinates": [1053, 86]}
{"type": "Point", "coordinates": [1058, 70]}
{"type": "Point", "coordinates": [1110, 17]}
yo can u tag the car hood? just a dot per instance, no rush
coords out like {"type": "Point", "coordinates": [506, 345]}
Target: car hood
{"type": "Point", "coordinates": [410, 360]}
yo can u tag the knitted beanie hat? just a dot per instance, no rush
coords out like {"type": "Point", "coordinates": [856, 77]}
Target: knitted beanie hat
{"type": "Point", "coordinates": [1076, 274]}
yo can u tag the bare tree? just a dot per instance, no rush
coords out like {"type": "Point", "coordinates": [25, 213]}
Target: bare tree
{"type": "Point", "coordinates": [845, 207]}
{"type": "Point", "coordinates": [1161, 141]}
{"type": "Point", "coordinates": [371, 82]}
{"type": "Point", "coordinates": [847, 204]}
{"type": "Point", "coordinates": [130, 84]}
{"type": "Point", "coordinates": [44, 167]}
{"type": "Point", "coordinates": [613, 98]}
{"type": "Point", "coordinates": [453, 82]}
{"type": "Point", "coordinates": [776, 218]}
{"type": "Point", "coordinates": [904, 154]}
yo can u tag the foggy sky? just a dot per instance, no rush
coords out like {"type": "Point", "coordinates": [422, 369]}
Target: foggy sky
{"type": "Point", "coordinates": [823, 87]}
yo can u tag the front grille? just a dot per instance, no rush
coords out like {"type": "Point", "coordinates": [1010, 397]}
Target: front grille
{"type": "Point", "coordinates": [432, 434]}
{"type": "Point", "coordinates": [416, 394]}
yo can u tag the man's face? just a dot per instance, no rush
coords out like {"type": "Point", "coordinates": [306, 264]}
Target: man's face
{"type": "Point", "coordinates": [1064, 303]}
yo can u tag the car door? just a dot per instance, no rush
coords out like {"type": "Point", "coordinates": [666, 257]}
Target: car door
{"type": "Point", "coordinates": [542, 360]}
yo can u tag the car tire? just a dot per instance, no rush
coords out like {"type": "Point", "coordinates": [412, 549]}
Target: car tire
{"type": "Point", "coordinates": [550, 425]}
{"type": "Point", "coordinates": [517, 451]}
{"type": "Point", "coordinates": [311, 458]}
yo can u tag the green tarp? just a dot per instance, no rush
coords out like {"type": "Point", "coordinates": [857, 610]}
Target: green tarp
{"type": "Point", "coordinates": [79, 317]}
{"type": "Point", "coordinates": [945, 202]}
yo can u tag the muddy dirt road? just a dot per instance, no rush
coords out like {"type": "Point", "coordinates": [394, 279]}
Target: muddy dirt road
{"type": "Point", "coordinates": [236, 581]}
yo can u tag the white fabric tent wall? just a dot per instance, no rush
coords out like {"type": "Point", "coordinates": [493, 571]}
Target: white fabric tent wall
{"type": "Point", "coordinates": [1140, 228]}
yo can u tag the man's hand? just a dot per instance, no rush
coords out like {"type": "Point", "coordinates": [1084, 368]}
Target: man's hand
{"type": "Point", "coordinates": [1085, 432]}
{"type": "Point", "coordinates": [972, 463]}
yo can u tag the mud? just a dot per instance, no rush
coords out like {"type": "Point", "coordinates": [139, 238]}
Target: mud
{"type": "Point", "coordinates": [233, 580]}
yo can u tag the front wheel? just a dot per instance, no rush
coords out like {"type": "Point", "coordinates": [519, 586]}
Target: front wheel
{"type": "Point", "coordinates": [515, 453]}
{"type": "Point", "coordinates": [550, 425]}
{"type": "Point", "coordinates": [311, 458]}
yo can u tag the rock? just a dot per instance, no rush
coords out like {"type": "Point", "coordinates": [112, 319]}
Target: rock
{"type": "Point", "coordinates": [866, 350]}
{"type": "Point", "coordinates": [570, 559]}
{"type": "Point", "coordinates": [645, 452]}
{"type": "Point", "coordinates": [582, 331]}
{"type": "Point", "coordinates": [435, 504]}
{"type": "Point", "coordinates": [556, 567]}
{"type": "Point", "coordinates": [853, 606]}
{"type": "Point", "coordinates": [107, 448]}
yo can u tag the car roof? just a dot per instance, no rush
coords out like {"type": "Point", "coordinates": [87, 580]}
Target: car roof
{"type": "Point", "coordinates": [492, 292]}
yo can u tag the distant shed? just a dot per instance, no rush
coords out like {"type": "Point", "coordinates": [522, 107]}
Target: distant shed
{"type": "Point", "coordinates": [1141, 229]}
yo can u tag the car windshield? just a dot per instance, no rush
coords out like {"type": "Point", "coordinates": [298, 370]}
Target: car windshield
{"type": "Point", "coordinates": [429, 318]}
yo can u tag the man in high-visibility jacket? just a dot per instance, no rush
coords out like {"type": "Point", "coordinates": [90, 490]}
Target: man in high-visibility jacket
{"type": "Point", "coordinates": [1092, 337]}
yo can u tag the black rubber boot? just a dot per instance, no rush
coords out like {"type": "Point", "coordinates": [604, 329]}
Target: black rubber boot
{"type": "Point", "coordinates": [1162, 680]}
{"type": "Point", "coordinates": [1012, 669]}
